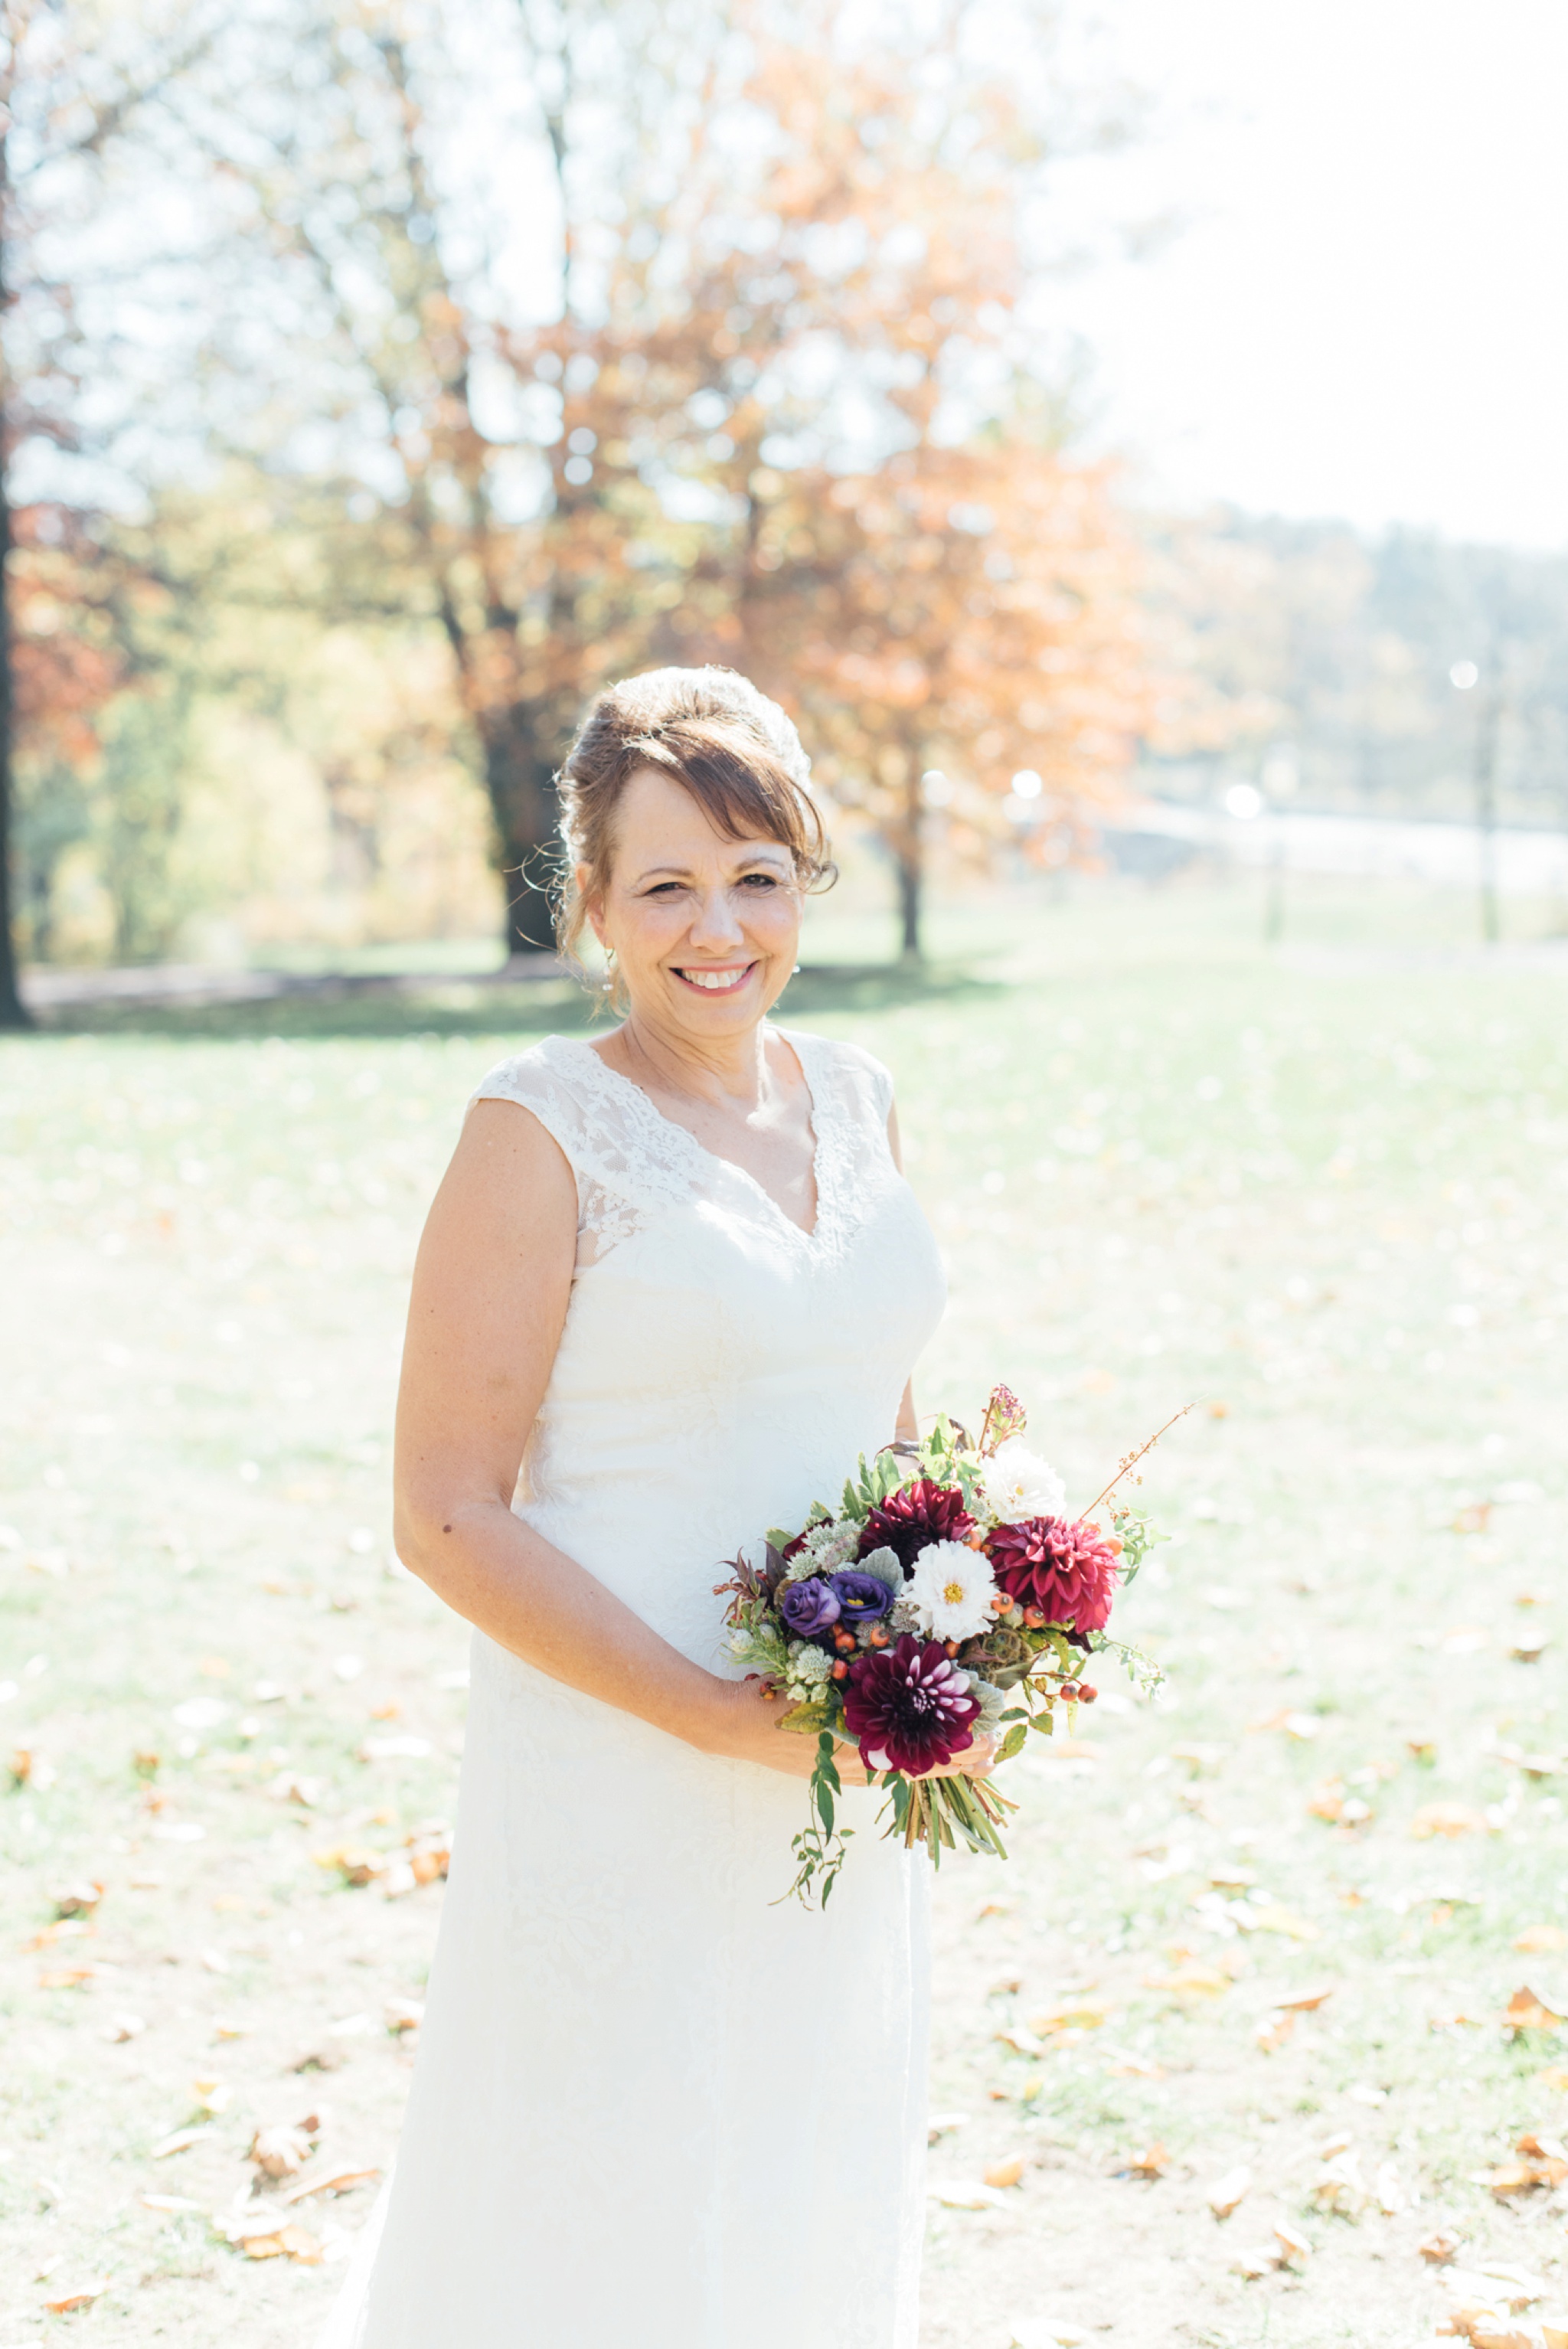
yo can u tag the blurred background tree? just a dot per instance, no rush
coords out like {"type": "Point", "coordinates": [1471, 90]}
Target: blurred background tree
{"type": "Point", "coordinates": [385, 374]}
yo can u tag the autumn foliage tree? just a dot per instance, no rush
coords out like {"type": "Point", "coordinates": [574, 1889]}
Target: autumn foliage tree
{"type": "Point", "coordinates": [773, 353]}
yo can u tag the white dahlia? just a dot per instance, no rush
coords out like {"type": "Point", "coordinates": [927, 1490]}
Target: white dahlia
{"type": "Point", "coordinates": [952, 1588]}
{"type": "Point", "coordinates": [1019, 1484]}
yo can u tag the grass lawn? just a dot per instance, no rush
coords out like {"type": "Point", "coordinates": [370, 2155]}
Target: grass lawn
{"type": "Point", "coordinates": [1322, 1194]}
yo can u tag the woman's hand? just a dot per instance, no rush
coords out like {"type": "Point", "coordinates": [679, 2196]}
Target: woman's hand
{"type": "Point", "coordinates": [745, 1728]}
{"type": "Point", "coordinates": [974, 1763]}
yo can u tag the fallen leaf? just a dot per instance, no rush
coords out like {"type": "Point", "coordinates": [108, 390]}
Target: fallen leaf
{"type": "Point", "coordinates": [942, 2125]}
{"type": "Point", "coordinates": [1511, 2177]}
{"type": "Point", "coordinates": [1447, 1820]}
{"type": "Point", "coordinates": [168, 2202]}
{"type": "Point", "coordinates": [1555, 2078]}
{"type": "Point", "coordinates": [1256, 2262]}
{"type": "Point", "coordinates": [1388, 2190]}
{"type": "Point", "coordinates": [280, 2152]}
{"type": "Point", "coordinates": [1422, 1749]}
{"type": "Point", "coordinates": [1294, 2244]}
{"type": "Point", "coordinates": [1536, 1939]}
{"type": "Point", "coordinates": [1340, 2187]}
{"type": "Point", "coordinates": [121, 2027]}
{"type": "Point", "coordinates": [1306, 2001]}
{"type": "Point", "coordinates": [336, 2181]}
{"type": "Point", "coordinates": [1228, 2192]}
{"type": "Point", "coordinates": [291, 2242]}
{"type": "Point", "coordinates": [1273, 2031]}
{"type": "Point", "coordinates": [181, 2141]}
{"type": "Point", "coordinates": [1440, 2249]}
{"type": "Point", "coordinates": [82, 2296]}
{"type": "Point", "coordinates": [1526, 2012]}
{"type": "Point", "coordinates": [66, 1977]}
{"type": "Point", "coordinates": [76, 1899]}
{"type": "Point", "coordinates": [1005, 2173]}
{"type": "Point", "coordinates": [1021, 2041]}
{"type": "Point", "coordinates": [1190, 1981]}
{"type": "Point", "coordinates": [1542, 2148]}
{"type": "Point", "coordinates": [1153, 2162]}
{"type": "Point", "coordinates": [1276, 1919]}
{"type": "Point", "coordinates": [1528, 1650]}
{"type": "Point", "coordinates": [962, 2194]}
{"type": "Point", "coordinates": [403, 2014]}
{"type": "Point", "coordinates": [1327, 1800]}
{"type": "Point", "coordinates": [1076, 2015]}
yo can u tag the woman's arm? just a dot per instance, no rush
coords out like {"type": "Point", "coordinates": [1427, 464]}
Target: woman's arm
{"type": "Point", "coordinates": [491, 1284]}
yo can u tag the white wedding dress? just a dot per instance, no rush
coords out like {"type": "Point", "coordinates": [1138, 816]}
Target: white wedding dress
{"type": "Point", "coordinates": [652, 2108]}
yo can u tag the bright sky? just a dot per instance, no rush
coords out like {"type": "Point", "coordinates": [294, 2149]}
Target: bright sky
{"type": "Point", "coordinates": [1366, 314]}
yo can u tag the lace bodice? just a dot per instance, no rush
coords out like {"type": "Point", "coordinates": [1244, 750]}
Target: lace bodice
{"type": "Point", "coordinates": [630, 1160]}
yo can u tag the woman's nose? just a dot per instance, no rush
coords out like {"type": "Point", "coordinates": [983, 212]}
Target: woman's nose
{"type": "Point", "coordinates": [715, 922]}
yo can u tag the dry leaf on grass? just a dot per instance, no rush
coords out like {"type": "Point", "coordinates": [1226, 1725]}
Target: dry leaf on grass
{"type": "Point", "coordinates": [336, 2182]}
{"type": "Point", "coordinates": [1448, 1820]}
{"type": "Point", "coordinates": [1526, 2011]}
{"type": "Point", "coordinates": [967, 2194]}
{"type": "Point", "coordinates": [181, 2141]}
{"type": "Point", "coordinates": [76, 1899]}
{"type": "Point", "coordinates": [1276, 1919]}
{"type": "Point", "coordinates": [1273, 2031]}
{"type": "Point", "coordinates": [1555, 2078]}
{"type": "Point", "coordinates": [1229, 2192]}
{"type": "Point", "coordinates": [1190, 1981]}
{"type": "Point", "coordinates": [403, 2014]}
{"type": "Point", "coordinates": [121, 2027]}
{"type": "Point", "coordinates": [168, 2202]}
{"type": "Point", "coordinates": [82, 2295]}
{"type": "Point", "coordinates": [1440, 2249]}
{"type": "Point", "coordinates": [280, 2151]}
{"type": "Point", "coordinates": [1153, 2162]}
{"type": "Point", "coordinates": [940, 2125]}
{"type": "Point", "coordinates": [67, 1977]}
{"type": "Point", "coordinates": [1005, 2173]}
{"type": "Point", "coordinates": [1537, 1939]}
{"type": "Point", "coordinates": [1293, 2245]}
{"type": "Point", "coordinates": [1073, 2014]}
{"type": "Point", "coordinates": [292, 2242]}
{"type": "Point", "coordinates": [1306, 2001]}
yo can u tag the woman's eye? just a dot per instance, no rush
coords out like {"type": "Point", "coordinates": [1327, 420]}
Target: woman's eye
{"type": "Point", "coordinates": [761, 881]}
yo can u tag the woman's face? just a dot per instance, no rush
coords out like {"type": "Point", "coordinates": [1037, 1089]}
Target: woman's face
{"type": "Point", "coordinates": [704, 928]}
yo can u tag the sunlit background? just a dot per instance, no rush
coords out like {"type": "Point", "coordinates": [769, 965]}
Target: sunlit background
{"type": "Point", "coordinates": [1130, 442]}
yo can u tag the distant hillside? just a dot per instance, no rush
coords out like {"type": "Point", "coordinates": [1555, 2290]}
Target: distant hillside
{"type": "Point", "coordinates": [1323, 649]}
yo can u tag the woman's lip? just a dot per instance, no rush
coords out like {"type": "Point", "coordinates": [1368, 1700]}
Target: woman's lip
{"type": "Point", "coordinates": [736, 974]}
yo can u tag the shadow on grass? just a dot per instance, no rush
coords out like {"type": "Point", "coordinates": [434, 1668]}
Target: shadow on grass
{"type": "Point", "coordinates": [347, 1008]}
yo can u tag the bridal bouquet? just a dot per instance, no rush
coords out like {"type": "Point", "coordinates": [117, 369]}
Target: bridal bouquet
{"type": "Point", "coordinates": [948, 1596]}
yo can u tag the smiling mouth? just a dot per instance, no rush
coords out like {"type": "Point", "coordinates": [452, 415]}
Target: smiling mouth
{"type": "Point", "coordinates": [717, 982]}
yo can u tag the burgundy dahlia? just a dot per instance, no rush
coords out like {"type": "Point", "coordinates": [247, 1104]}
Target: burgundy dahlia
{"type": "Point", "coordinates": [1065, 1569]}
{"type": "Point", "coordinates": [915, 1515]}
{"type": "Point", "coordinates": [908, 1706]}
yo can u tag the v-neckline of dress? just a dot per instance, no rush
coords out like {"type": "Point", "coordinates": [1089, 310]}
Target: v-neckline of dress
{"type": "Point", "coordinates": [713, 1158]}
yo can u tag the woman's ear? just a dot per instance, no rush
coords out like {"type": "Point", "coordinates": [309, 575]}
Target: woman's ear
{"type": "Point", "coordinates": [591, 901]}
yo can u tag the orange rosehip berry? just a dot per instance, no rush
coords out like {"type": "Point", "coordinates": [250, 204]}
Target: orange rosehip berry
{"type": "Point", "coordinates": [840, 1670]}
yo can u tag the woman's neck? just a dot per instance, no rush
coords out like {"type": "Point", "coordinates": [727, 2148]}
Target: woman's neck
{"type": "Point", "coordinates": [722, 1069]}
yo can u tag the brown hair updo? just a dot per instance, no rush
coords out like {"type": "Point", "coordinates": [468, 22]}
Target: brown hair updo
{"type": "Point", "coordinates": [732, 749]}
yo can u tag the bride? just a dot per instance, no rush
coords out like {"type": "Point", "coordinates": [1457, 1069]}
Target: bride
{"type": "Point", "coordinates": [672, 1284]}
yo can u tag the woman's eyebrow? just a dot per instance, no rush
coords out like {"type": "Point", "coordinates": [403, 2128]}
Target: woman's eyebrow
{"type": "Point", "coordinates": [683, 872]}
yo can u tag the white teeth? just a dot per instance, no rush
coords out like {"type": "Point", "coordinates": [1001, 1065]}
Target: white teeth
{"type": "Point", "coordinates": [715, 981]}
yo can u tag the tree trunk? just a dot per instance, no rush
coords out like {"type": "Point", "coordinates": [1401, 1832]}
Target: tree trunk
{"type": "Point", "coordinates": [908, 845]}
{"type": "Point", "coordinates": [14, 1012]}
{"type": "Point", "coordinates": [520, 780]}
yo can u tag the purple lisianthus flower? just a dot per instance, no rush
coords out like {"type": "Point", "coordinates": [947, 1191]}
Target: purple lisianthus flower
{"type": "Point", "coordinates": [811, 1605]}
{"type": "Point", "coordinates": [861, 1597]}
